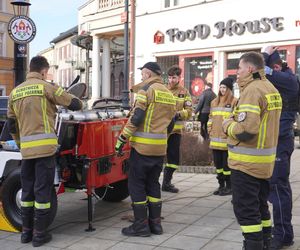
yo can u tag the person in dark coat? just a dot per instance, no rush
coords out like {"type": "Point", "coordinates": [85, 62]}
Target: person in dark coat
{"type": "Point", "coordinates": [280, 190]}
{"type": "Point", "coordinates": [203, 108]}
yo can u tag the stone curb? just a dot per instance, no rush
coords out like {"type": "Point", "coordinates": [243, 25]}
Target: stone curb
{"type": "Point", "coordinates": [197, 169]}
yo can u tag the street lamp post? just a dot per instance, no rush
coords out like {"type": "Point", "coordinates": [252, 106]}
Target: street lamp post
{"type": "Point", "coordinates": [22, 30]}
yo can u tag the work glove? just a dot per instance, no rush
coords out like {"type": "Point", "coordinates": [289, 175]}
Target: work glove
{"type": "Point", "coordinates": [120, 144]}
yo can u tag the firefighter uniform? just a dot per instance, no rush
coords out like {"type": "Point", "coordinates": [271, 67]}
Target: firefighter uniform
{"type": "Point", "coordinates": [221, 109]}
{"type": "Point", "coordinates": [252, 140]}
{"type": "Point", "coordinates": [184, 112]}
{"type": "Point", "coordinates": [31, 113]}
{"type": "Point", "coordinates": [146, 130]}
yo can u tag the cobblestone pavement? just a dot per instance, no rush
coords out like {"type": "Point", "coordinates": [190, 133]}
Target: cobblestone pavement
{"type": "Point", "coordinates": [192, 219]}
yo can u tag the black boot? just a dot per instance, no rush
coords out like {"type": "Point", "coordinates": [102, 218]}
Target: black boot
{"type": "Point", "coordinates": [27, 224]}
{"type": "Point", "coordinates": [40, 234]}
{"type": "Point", "coordinates": [227, 190]}
{"type": "Point", "coordinates": [140, 227]}
{"type": "Point", "coordinates": [155, 217]}
{"type": "Point", "coordinates": [253, 245]}
{"type": "Point", "coordinates": [167, 186]}
{"type": "Point", "coordinates": [221, 182]}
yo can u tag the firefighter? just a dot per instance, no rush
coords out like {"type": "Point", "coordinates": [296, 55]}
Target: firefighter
{"type": "Point", "coordinates": [252, 139]}
{"type": "Point", "coordinates": [31, 113]}
{"type": "Point", "coordinates": [146, 129]}
{"type": "Point", "coordinates": [280, 193]}
{"type": "Point", "coordinates": [184, 112]}
{"type": "Point", "coordinates": [221, 108]}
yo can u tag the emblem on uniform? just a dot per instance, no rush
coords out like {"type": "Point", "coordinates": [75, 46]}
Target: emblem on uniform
{"type": "Point", "coordinates": [188, 103]}
{"type": "Point", "coordinates": [228, 106]}
{"type": "Point", "coordinates": [181, 95]}
{"type": "Point", "coordinates": [242, 116]}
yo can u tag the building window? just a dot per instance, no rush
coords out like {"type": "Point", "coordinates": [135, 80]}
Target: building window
{"type": "Point", "coordinates": [297, 68]}
{"type": "Point", "coordinates": [165, 63]}
{"type": "Point", "coordinates": [171, 3]}
{"type": "Point", "coordinates": [197, 72]}
{"type": "Point", "coordinates": [1, 5]}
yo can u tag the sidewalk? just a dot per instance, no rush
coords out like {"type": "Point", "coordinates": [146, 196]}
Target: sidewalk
{"type": "Point", "coordinates": [193, 219]}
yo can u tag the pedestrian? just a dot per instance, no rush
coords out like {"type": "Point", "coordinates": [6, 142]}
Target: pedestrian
{"type": "Point", "coordinates": [31, 114]}
{"type": "Point", "coordinates": [203, 108]}
{"type": "Point", "coordinates": [221, 108]}
{"type": "Point", "coordinates": [146, 129]}
{"type": "Point", "coordinates": [183, 113]}
{"type": "Point", "coordinates": [280, 193]}
{"type": "Point", "coordinates": [252, 139]}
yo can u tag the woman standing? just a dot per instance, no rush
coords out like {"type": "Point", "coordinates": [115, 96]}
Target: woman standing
{"type": "Point", "coordinates": [221, 108]}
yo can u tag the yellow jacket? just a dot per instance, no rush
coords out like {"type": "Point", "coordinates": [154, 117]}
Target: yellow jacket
{"type": "Point", "coordinates": [183, 106]}
{"type": "Point", "coordinates": [220, 109]}
{"type": "Point", "coordinates": [33, 105]}
{"type": "Point", "coordinates": [253, 129]}
{"type": "Point", "coordinates": [153, 111]}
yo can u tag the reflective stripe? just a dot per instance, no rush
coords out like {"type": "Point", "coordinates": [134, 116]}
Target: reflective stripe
{"type": "Point", "coordinates": [42, 205]}
{"type": "Point", "coordinates": [38, 143]}
{"type": "Point", "coordinates": [218, 142]}
{"type": "Point", "coordinates": [188, 98]}
{"type": "Point", "coordinates": [153, 199]}
{"type": "Point", "coordinates": [37, 137]}
{"type": "Point", "coordinates": [148, 141]}
{"type": "Point", "coordinates": [230, 130]}
{"type": "Point", "coordinates": [219, 171]}
{"type": "Point", "coordinates": [266, 223]}
{"type": "Point", "coordinates": [150, 135]}
{"type": "Point", "coordinates": [253, 151]}
{"type": "Point", "coordinates": [59, 91]}
{"type": "Point", "coordinates": [185, 114]}
{"type": "Point", "coordinates": [221, 109]}
{"type": "Point", "coordinates": [251, 158]}
{"type": "Point", "coordinates": [262, 132]}
{"type": "Point", "coordinates": [141, 98]}
{"type": "Point", "coordinates": [127, 132]}
{"type": "Point", "coordinates": [226, 173]}
{"type": "Point", "coordinates": [249, 108]}
{"type": "Point", "coordinates": [140, 202]}
{"type": "Point", "coordinates": [27, 203]}
{"type": "Point", "coordinates": [169, 165]}
{"type": "Point", "coordinates": [178, 127]}
{"type": "Point", "coordinates": [252, 228]}
{"type": "Point", "coordinates": [45, 116]}
{"type": "Point", "coordinates": [148, 117]}
{"type": "Point", "coordinates": [179, 99]}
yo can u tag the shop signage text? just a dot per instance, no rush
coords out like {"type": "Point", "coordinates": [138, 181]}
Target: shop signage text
{"type": "Point", "coordinates": [230, 28]}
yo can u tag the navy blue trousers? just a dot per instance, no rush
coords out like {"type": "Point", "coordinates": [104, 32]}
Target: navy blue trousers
{"type": "Point", "coordinates": [281, 193]}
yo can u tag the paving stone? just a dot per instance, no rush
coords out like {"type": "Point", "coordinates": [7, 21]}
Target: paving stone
{"type": "Point", "coordinates": [201, 231]}
{"type": "Point", "coordinates": [185, 242]}
{"type": "Point", "coordinates": [182, 218]}
{"type": "Point", "coordinates": [92, 244]}
{"type": "Point", "coordinates": [130, 246]}
{"type": "Point", "coordinates": [224, 245]}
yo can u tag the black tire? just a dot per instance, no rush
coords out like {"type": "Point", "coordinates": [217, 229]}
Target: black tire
{"type": "Point", "coordinates": [117, 193]}
{"type": "Point", "coordinates": [9, 191]}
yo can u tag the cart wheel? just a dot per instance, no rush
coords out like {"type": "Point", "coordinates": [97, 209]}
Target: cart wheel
{"type": "Point", "coordinates": [11, 199]}
{"type": "Point", "coordinates": [117, 193]}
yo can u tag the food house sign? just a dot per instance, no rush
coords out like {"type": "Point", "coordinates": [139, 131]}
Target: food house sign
{"type": "Point", "coordinates": [230, 28]}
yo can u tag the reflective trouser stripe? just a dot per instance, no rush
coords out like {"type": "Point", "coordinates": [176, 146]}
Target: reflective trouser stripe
{"type": "Point", "coordinates": [153, 199]}
{"type": "Point", "coordinates": [168, 165]}
{"type": "Point", "coordinates": [38, 143]}
{"type": "Point", "coordinates": [27, 203]}
{"type": "Point", "coordinates": [266, 223]}
{"type": "Point", "coordinates": [42, 205]}
{"type": "Point", "coordinates": [140, 202]}
{"type": "Point", "coordinates": [219, 171]}
{"type": "Point", "coordinates": [226, 172]}
{"type": "Point", "coordinates": [252, 228]}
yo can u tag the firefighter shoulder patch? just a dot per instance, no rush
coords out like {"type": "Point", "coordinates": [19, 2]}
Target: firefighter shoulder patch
{"type": "Point", "coordinates": [242, 116]}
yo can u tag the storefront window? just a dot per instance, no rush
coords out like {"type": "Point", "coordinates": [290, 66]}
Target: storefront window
{"type": "Point", "coordinates": [165, 63]}
{"type": "Point", "coordinates": [197, 72]}
{"type": "Point", "coordinates": [297, 68]}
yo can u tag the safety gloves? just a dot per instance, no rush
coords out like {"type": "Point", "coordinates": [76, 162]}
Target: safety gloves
{"type": "Point", "coordinates": [120, 144]}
